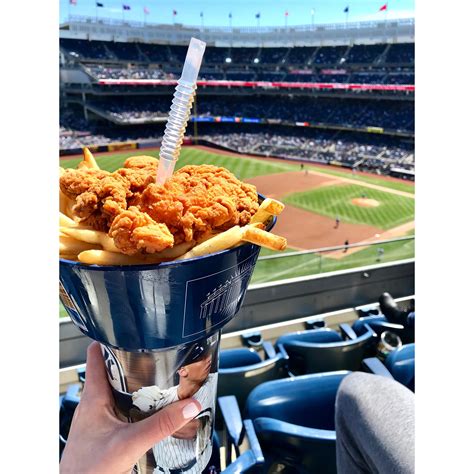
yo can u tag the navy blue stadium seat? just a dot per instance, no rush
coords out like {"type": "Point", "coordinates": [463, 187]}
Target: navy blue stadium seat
{"type": "Point", "coordinates": [380, 324]}
{"type": "Point", "coordinates": [293, 420]}
{"type": "Point", "coordinates": [241, 370]}
{"type": "Point", "coordinates": [324, 350]}
{"type": "Point", "coordinates": [399, 364]}
{"type": "Point", "coordinates": [67, 406]}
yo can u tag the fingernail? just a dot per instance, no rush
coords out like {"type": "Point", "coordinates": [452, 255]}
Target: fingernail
{"type": "Point", "coordinates": [190, 411]}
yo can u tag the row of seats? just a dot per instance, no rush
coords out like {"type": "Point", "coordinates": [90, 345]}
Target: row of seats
{"type": "Point", "coordinates": [280, 397]}
{"type": "Point", "coordinates": [290, 423]}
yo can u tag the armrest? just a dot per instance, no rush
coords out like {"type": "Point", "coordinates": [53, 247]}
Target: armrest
{"type": "Point", "coordinates": [269, 350]}
{"type": "Point", "coordinates": [81, 374]}
{"type": "Point", "coordinates": [347, 332]}
{"type": "Point", "coordinates": [73, 393]}
{"type": "Point", "coordinates": [252, 457]}
{"type": "Point", "coordinates": [232, 423]}
{"type": "Point", "coordinates": [252, 339]}
{"type": "Point", "coordinates": [376, 367]}
{"type": "Point", "coordinates": [315, 323]}
{"type": "Point", "coordinates": [282, 351]}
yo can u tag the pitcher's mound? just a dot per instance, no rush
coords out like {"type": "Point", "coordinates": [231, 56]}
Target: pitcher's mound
{"type": "Point", "coordinates": [365, 202]}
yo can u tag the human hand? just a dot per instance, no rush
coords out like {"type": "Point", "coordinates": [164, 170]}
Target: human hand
{"type": "Point", "coordinates": [99, 442]}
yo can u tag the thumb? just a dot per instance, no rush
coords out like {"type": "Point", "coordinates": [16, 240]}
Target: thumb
{"type": "Point", "coordinates": [142, 435]}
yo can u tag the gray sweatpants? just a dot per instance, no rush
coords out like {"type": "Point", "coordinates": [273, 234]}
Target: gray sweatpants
{"type": "Point", "coordinates": [375, 426]}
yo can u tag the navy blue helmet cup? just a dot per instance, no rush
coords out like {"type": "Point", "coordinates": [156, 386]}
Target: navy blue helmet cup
{"type": "Point", "coordinates": [159, 306]}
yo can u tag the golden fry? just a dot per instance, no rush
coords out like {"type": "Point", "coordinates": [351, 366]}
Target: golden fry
{"type": "Point", "coordinates": [91, 236]}
{"type": "Point", "coordinates": [65, 205]}
{"type": "Point", "coordinates": [269, 207]}
{"type": "Point", "coordinates": [263, 238]}
{"type": "Point", "coordinates": [103, 257]}
{"type": "Point", "coordinates": [88, 161]}
{"type": "Point", "coordinates": [69, 245]}
{"type": "Point", "coordinates": [67, 256]}
{"type": "Point", "coordinates": [221, 241]}
{"type": "Point", "coordinates": [65, 221]}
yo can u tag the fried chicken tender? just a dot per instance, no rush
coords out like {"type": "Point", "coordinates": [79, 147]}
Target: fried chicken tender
{"type": "Point", "coordinates": [194, 201]}
{"type": "Point", "coordinates": [133, 231]}
{"type": "Point", "coordinates": [100, 196]}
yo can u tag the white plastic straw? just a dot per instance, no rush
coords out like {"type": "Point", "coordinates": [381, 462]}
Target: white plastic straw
{"type": "Point", "coordinates": [180, 109]}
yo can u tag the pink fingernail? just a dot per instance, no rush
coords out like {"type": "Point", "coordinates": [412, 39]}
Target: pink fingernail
{"type": "Point", "coordinates": [190, 411]}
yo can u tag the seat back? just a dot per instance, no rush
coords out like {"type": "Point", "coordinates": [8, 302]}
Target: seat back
{"type": "Point", "coordinates": [294, 422]}
{"type": "Point", "coordinates": [317, 351]}
{"type": "Point", "coordinates": [300, 450]}
{"type": "Point", "coordinates": [379, 324]}
{"type": "Point", "coordinates": [232, 358]}
{"type": "Point", "coordinates": [401, 364]}
{"type": "Point", "coordinates": [306, 400]}
{"type": "Point", "coordinates": [241, 380]}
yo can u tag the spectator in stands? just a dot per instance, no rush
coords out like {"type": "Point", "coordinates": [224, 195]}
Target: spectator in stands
{"type": "Point", "coordinates": [99, 442]}
{"type": "Point", "coordinates": [375, 420]}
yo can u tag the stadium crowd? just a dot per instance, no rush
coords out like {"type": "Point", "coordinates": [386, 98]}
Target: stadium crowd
{"type": "Point", "coordinates": [391, 54]}
{"type": "Point", "coordinates": [358, 113]}
{"type": "Point", "coordinates": [379, 158]}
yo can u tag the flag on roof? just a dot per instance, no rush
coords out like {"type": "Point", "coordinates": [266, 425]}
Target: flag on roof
{"type": "Point", "coordinates": [383, 7]}
{"type": "Point", "coordinates": [230, 15]}
{"type": "Point", "coordinates": [73, 2]}
{"type": "Point", "coordinates": [126, 7]}
{"type": "Point", "coordinates": [175, 12]}
{"type": "Point", "coordinates": [346, 10]}
{"type": "Point", "coordinates": [146, 11]}
{"type": "Point", "coordinates": [100, 5]}
{"type": "Point", "coordinates": [257, 15]}
{"type": "Point", "coordinates": [286, 13]}
{"type": "Point", "coordinates": [201, 14]}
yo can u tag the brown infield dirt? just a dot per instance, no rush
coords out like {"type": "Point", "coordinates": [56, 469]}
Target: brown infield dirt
{"type": "Point", "coordinates": [365, 202]}
{"type": "Point", "coordinates": [303, 229]}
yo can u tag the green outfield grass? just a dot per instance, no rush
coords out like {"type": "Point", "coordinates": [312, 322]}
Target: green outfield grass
{"type": "Point", "coordinates": [335, 201]}
{"type": "Point", "coordinates": [243, 168]}
{"type": "Point", "coordinates": [397, 185]}
{"type": "Point", "coordinates": [309, 264]}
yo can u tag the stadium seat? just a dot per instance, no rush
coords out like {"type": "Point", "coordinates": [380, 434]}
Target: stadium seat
{"type": "Point", "coordinates": [67, 406]}
{"type": "Point", "coordinates": [241, 370]}
{"type": "Point", "coordinates": [293, 420]}
{"type": "Point", "coordinates": [400, 365]}
{"type": "Point", "coordinates": [324, 350]}
{"type": "Point", "coordinates": [379, 324]}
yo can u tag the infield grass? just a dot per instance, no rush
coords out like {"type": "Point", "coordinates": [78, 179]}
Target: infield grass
{"type": "Point", "coordinates": [333, 201]}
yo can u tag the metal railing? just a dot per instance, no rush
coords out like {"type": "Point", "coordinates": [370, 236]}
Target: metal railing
{"type": "Point", "coordinates": [277, 267]}
{"type": "Point", "coordinates": [334, 248]}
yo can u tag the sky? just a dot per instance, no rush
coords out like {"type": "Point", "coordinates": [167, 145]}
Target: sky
{"type": "Point", "coordinates": [216, 12]}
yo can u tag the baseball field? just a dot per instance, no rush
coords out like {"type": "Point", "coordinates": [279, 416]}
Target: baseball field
{"type": "Point", "coordinates": [325, 207]}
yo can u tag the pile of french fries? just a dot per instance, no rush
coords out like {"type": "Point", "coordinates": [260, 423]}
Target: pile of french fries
{"type": "Point", "coordinates": [84, 244]}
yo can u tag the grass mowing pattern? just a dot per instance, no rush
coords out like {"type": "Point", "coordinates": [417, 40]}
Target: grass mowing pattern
{"type": "Point", "coordinates": [399, 186]}
{"type": "Point", "coordinates": [309, 264]}
{"type": "Point", "coordinates": [335, 201]}
{"type": "Point", "coordinates": [243, 168]}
